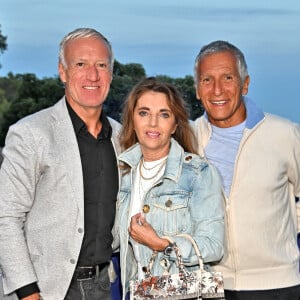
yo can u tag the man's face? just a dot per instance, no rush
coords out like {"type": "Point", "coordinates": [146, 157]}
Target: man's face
{"type": "Point", "coordinates": [87, 75]}
{"type": "Point", "coordinates": [220, 89]}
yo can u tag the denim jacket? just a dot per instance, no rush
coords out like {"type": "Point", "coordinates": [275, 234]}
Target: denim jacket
{"type": "Point", "coordinates": [187, 199]}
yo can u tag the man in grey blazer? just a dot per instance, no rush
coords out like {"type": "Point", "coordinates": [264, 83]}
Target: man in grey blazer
{"type": "Point", "coordinates": [59, 183]}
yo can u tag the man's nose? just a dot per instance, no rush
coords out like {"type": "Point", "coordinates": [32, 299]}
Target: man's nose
{"type": "Point", "coordinates": [93, 73]}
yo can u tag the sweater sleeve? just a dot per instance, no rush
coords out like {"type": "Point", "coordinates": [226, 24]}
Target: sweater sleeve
{"type": "Point", "coordinates": [298, 213]}
{"type": "Point", "coordinates": [294, 175]}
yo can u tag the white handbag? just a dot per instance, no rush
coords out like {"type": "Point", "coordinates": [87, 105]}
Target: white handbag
{"type": "Point", "coordinates": [199, 284]}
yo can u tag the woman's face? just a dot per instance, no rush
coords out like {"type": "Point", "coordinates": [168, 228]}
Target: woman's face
{"type": "Point", "coordinates": [154, 123]}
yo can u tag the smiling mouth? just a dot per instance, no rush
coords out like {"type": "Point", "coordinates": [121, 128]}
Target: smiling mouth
{"type": "Point", "coordinates": [91, 87]}
{"type": "Point", "coordinates": [218, 102]}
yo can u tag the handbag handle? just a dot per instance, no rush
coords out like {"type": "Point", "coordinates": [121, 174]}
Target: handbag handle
{"type": "Point", "coordinates": [196, 248]}
{"type": "Point", "coordinates": [178, 254]}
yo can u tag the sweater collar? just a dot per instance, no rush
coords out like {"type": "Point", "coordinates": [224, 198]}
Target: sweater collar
{"type": "Point", "coordinates": [254, 113]}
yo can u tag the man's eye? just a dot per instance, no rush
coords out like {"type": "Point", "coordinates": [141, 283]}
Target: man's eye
{"type": "Point", "coordinates": [102, 66]}
{"type": "Point", "coordinates": [228, 77]}
{"type": "Point", "coordinates": [205, 80]}
{"type": "Point", "coordinates": [80, 64]}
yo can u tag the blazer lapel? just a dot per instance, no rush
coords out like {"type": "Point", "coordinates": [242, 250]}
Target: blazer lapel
{"type": "Point", "coordinates": [67, 142]}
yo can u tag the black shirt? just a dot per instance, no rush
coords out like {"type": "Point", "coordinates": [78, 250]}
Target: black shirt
{"type": "Point", "coordinates": [100, 182]}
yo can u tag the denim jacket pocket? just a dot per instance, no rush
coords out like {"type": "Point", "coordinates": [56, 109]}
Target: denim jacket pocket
{"type": "Point", "coordinates": [171, 213]}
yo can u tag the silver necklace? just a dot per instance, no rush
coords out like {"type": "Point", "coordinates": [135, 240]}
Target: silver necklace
{"type": "Point", "coordinates": [151, 168]}
{"type": "Point", "coordinates": [141, 166]}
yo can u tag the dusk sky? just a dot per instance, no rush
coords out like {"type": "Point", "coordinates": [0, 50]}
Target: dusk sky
{"type": "Point", "coordinates": [165, 37]}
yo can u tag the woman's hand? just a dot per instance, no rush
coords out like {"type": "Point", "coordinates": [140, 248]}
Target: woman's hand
{"type": "Point", "coordinates": [142, 232]}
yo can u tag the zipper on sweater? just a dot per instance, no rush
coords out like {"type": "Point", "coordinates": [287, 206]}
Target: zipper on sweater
{"type": "Point", "coordinates": [232, 242]}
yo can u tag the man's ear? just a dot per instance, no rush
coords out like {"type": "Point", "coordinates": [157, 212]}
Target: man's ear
{"type": "Point", "coordinates": [62, 73]}
{"type": "Point", "coordinates": [246, 86]}
{"type": "Point", "coordinates": [197, 93]}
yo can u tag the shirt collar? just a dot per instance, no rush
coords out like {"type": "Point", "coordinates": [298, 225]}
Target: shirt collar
{"type": "Point", "coordinates": [79, 125]}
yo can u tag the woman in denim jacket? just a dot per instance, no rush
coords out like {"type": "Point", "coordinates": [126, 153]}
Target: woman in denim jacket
{"type": "Point", "coordinates": [166, 189]}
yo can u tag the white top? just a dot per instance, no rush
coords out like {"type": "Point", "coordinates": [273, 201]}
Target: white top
{"type": "Point", "coordinates": [152, 170]}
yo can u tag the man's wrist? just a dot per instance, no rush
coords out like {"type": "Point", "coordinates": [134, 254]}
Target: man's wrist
{"type": "Point", "coordinates": [28, 290]}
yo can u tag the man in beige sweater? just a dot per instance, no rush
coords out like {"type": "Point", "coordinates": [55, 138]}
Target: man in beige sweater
{"type": "Point", "coordinates": [258, 157]}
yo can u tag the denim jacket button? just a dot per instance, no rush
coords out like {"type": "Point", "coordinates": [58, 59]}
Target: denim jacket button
{"type": "Point", "coordinates": [145, 269]}
{"type": "Point", "coordinates": [188, 158]}
{"type": "Point", "coordinates": [168, 203]}
{"type": "Point", "coordinates": [146, 208]}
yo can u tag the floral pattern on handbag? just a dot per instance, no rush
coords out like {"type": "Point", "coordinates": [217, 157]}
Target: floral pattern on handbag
{"type": "Point", "coordinates": [199, 284]}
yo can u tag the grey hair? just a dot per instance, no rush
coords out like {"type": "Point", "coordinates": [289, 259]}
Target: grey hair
{"type": "Point", "coordinates": [222, 46]}
{"type": "Point", "coordinates": [84, 33]}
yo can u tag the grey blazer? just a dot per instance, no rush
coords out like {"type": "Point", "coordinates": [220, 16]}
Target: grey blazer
{"type": "Point", "coordinates": [41, 203]}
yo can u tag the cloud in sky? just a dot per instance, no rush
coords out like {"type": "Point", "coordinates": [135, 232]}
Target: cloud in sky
{"type": "Point", "coordinates": [208, 12]}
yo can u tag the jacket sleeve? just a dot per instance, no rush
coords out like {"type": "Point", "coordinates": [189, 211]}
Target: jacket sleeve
{"type": "Point", "coordinates": [115, 230]}
{"type": "Point", "coordinates": [207, 217]}
{"type": "Point", "coordinates": [17, 181]}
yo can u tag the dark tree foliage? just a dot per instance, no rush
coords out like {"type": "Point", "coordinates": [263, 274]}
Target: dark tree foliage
{"type": "Point", "coordinates": [24, 94]}
{"type": "Point", "coordinates": [3, 43]}
{"type": "Point", "coordinates": [124, 78]}
{"type": "Point", "coordinates": [31, 94]}
{"type": "Point", "coordinates": [186, 87]}
{"type": "Point", "coordinates": [10, 85]}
